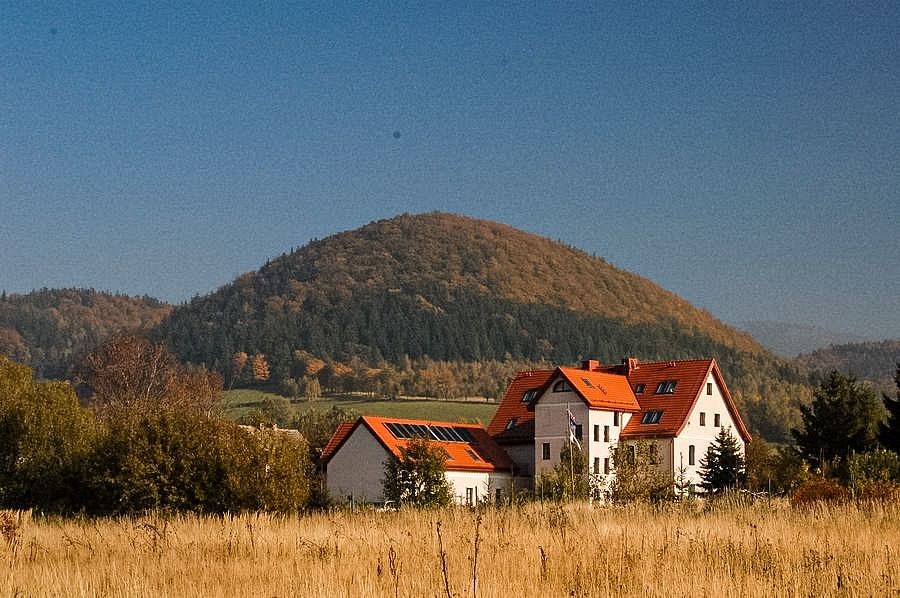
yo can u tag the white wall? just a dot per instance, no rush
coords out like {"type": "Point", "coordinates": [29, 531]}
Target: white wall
{"type": "Point", "coordinates": [700, 437]}
{"type": "Point", "coordinates": [357, 468]}
{"type": "Point", "coordinates": [482, 485]}
{"type": "Point", "coordinates": [551, 424]}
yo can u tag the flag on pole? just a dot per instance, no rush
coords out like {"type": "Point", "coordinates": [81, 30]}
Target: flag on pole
{"type": "Point", "coordinates": [573, 426]}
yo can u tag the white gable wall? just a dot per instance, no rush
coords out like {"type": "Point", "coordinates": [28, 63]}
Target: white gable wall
{"type": "Point", "coordinates": [701, 436]}
{"type": "Point", "coordinates": [470, 487]}
{"type": "Point", "coordinates": [357, 468]}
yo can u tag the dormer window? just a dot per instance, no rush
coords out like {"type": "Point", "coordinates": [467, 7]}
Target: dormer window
{"type": "Point", "coordinates": [562, 386]}
{"type": "Point", "coordinates": [639, 389]}
{"type": "Point", "coordinates": [666, 387]}
{"type": "Point", "coordinates": [529, 395]}
{"type": "Point", "coordinates": [651, 417]}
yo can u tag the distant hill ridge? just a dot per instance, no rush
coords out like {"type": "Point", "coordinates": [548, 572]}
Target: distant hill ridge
{"type": "Point", "coordinates": [449, 287]}
{"type": "Point", "coordinates": [50, 329]}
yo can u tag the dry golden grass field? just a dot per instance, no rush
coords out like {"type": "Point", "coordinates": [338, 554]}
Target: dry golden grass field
{"type": "Point", "coordinates": [577, 550]}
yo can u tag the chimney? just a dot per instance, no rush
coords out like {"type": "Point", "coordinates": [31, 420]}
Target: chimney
{"type": "Point", "coordinates": [590, 365]}
{"type": "Point", "coordinates": [629, 364]}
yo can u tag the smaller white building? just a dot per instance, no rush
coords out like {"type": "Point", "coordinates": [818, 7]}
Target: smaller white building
{"type": "Point", "coordinates": [476, 467]}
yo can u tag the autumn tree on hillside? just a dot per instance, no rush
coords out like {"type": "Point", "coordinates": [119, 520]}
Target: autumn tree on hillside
{"type": "Point", "coordinates": [260, 367]}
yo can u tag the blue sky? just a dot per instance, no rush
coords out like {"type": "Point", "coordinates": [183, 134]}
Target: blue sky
{"type": "Point", "coordinates": [745, 157]}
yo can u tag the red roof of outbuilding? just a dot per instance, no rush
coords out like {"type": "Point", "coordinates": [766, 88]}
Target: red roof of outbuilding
{"type": "Point", "coordinates": [481, 454]}
{"type": "Point", "coordinates": [690, 377]}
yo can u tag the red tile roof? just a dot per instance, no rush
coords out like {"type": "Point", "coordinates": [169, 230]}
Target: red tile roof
{"type": "Point", "coordinates": [602, 390]}
{"type": "Point", "coordinates": [690, 376]}
{"type": "Point", "coordinates": [342, 432]}
{"type": "Point", "coordinates": [619, 382]}
{"type": "Point", "coordinates": [482, 454]}
{"type": "Point", "coordinates": [513, 409]}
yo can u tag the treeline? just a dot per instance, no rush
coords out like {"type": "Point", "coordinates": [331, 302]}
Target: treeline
{"type": "Point", "coordinates": [50, 330]}
{"type": "Point", "coordinates": [148, 439]}
{"type": "Point", "coordinates": [449, 343]}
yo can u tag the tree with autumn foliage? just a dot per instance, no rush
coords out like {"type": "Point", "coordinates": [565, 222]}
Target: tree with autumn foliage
{"type": "Point", "coordinates": [260, 367]}
{"type": "Point", "coordinates": [130, 374]}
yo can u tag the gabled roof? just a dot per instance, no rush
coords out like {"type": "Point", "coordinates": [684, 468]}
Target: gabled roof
{"type": "Point", "coordinates": [480, 453]}
{"type": "Point", "coordinates": [513, 409]}
{"type": "Point", "coordinates": [340, 434]}
{"type": "Point", "coordinates": [601, 390]}
{"type": "Point", "coordinates": [690, 377]}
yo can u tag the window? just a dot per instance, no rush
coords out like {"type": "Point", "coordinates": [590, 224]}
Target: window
{"type": "Point", "coordinates": [596, 433]}
{"type": "Point", "coordinates": [616, 418]}
{"type": "Point", "coordinates": [639, 389]}
{"type": "Point", "coordinates": [654, 454]}
{"type": "Point", "coordinates": [529, 395]}
{"type": "Point", "coordinates": [511, 423]}
{"type": "Point", "coordinates": [605, 433]}
{"type": "Point", "coordinates": [717, 420]}
{"type": "Point", "coordinates": [702, 418]}
{"type": "Point", "coordinates": [606, 466]}
{"type": "Point", "coordinates": [632, 455]}
{"type": "Point", "coordinates": [545, 451]}
{"type": "Point", "coordinates": [470, 496]}
{"type": "Point", "coordinates": [562, 386]}
{"type": "Point", "coordinates": [709, 388]}
{"type": "Point", "coordinates": [666, 387]}
{"type": "Point", "coordinates": [651, 417]}
{"type": "Point", "coordinates": [499, 495]}
{"type": "Point", "coordinates": [596, 464]}
{"type": "Point", "coordinates": [578, 432]}
{"type": "Point", "coordinates": [587, 383]}
{"type": "Point", "coordinates": [692, 455]}
{"type": "Point", "coordinates": [473, 455]}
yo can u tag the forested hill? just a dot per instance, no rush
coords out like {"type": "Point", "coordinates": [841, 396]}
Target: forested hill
{"type": "Point", "coordinates": [457, 289]}
{"type": "Point", "coordinates": [875, 362]}
{"type": "Point", "coordinates": [50, 329]}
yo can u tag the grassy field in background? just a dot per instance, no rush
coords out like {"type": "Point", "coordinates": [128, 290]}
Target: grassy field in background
{"type": "Point", "coordinates": [240, 401]}
{"type": "Point", "coordinates": [764, 549]}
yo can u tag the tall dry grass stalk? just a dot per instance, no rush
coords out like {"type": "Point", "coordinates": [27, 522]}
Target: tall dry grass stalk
{"type": "Point", "coordinates": [575, 550]}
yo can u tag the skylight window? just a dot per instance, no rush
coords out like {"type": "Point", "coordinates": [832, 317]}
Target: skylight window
{"type": "Point", "coordinates": [666, 387]}
{"type": "Point", "coordinates": [473, 455]}
{"type": "Point", "coordinates": [638, 389]}
{"type": "Point", "coordinates": [587, 383]}
{"type": "Point", "coordinates": [529, 395]}
{"type": "Point", "coordinates": [511, 423]}
{"type": "Point", "coordinates": [651, 417]}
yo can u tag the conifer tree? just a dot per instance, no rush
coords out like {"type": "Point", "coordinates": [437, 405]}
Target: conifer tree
{"type": "Point", "coordinates": [723, 466]}
{"type": "Point", "coordinates": [889, 432]}
{"type": "Point", "coordinates": [842, 419]}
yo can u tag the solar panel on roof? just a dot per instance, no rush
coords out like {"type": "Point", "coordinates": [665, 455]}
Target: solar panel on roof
{"type": "Point", "coordinates": [465, 433]}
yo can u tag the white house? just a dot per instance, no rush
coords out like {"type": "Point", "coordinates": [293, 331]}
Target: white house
{"type": "Point", "coordinates": [476, 467]}
{"type": "Point", "coordinates": [678, 406]}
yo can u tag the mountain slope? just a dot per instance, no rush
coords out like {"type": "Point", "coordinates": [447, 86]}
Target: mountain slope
{"type": "Point", "coordinates": [455, 288]}
{"type": "Point", "coordinates": [874, 362]}
{"type": "Point", "coordinates": [789, 340]}
{"type": "Point", "coordinates": [50, 329]}
{"type": "Point", "coordinates": [444, 286]}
